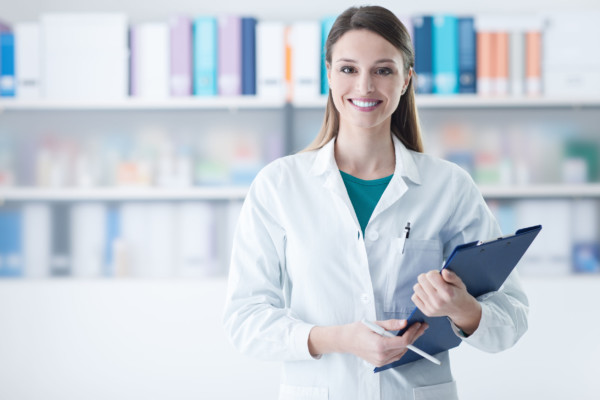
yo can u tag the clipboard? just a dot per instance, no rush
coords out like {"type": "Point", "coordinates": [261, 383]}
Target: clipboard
{"type": "Point", "coordinates": [483, 267]}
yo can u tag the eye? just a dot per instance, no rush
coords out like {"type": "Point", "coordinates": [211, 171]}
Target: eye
{"type": "Point", "coordinates": [383, 71]}
{"type": "Point", "coordinates": [347, 69]}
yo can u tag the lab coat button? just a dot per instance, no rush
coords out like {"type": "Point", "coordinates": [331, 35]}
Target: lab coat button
{"type": "Point", "coordinates": [373, 236]}
{"type": "Point", "coordinates": [364, 298]}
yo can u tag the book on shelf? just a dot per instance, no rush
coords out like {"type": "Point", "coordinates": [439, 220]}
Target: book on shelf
{"type": "Point", "coordinates": [196, 240]}
{"type": "Point", "coordinates": [423, 31]}
{"type": "Point", "coordinates": [205, 56]}
{"type": "Point", "coordinates": [37, 223]}
{"type": "Point", "coordinates": [305, 40]}
{"type": "Point", "coordinates": [585, 256]}
{"type": "Point", "coordinates": [180, 47]}
{"type": "Point", "coordinates": [326, 25]}
{"type": "Point", "coordinates": [570, 65]}
{"type": "Point", "coordinates": [229, 55]}
{"type": "Point", "coordinates": [270, 60]}
{"type": "Point", "coordinates": [150, 59]}
{"type": "Point", "coordinates": [27, 60]}
{"type": "Point", "coordinates": [467, 60]}
{"type": "Point", "coordinates": [11, 227]}
{"type": "Point", "coordinates": [60, 245]}
{"type": "Point", "coordinates": [445, 54]}
{"type": "Point", "coordinates": [84, 56]}
{"type": "Point", "coordinates": [248, 56]}
{"type": "Point", "coordinates": [7, 64]}
{"type": "Point", "coordinates": [88, 227]}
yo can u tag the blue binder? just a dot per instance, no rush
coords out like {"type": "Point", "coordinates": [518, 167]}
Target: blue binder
{"type": "Point", "coordinates": [248, 56]}
{"type": "Point", "coordinates": [483, 267]}
{"type": "Point", "coordinates": [422, 36]}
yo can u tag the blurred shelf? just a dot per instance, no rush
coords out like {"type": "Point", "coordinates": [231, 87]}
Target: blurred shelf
{"type": "Point", "coordinates": [552, 191]}
{"type": "Point", "coordinates": [474, 101]}
{"type": "Point", "coordinates": [123, 194]}
{"type": "Point", "coordinates": [176, 103]}
{"type": "Point", "coordinates": [239, 193]}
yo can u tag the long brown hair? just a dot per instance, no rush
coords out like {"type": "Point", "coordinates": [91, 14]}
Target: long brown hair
{"type": "Point", "coordinates": [379, 20]}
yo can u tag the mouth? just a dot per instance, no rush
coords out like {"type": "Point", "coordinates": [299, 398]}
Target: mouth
{"type": "Point", "coordinates": [365, 104]}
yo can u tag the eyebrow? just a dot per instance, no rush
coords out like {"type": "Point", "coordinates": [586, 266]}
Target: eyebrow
{"type": "Point", "coordinates": [383, 60]}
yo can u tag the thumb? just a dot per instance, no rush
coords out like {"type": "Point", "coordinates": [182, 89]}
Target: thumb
{"type": "Point", "coordinates": [451, 277]}
{"type": "Point", "coordinates": [392, 324]}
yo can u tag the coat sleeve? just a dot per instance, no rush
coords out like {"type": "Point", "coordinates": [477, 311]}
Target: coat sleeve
{"type": "Point", "coordinates": [504, 312]}
{"type": "Point", "coordinates": [256, 318]}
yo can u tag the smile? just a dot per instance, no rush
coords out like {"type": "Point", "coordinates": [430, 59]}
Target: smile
{"type": "Point", "coordinates": [366, 104]}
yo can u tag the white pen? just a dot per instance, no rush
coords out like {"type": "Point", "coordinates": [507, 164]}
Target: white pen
{"type": "Point", "coordinates": [379, 330]}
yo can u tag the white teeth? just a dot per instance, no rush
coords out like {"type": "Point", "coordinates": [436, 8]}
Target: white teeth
{"type": "Point", "coordinates": [364, 103]}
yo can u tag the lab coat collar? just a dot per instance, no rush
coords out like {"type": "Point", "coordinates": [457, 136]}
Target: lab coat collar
{"type": "Point", "coordinates": [405, 163]}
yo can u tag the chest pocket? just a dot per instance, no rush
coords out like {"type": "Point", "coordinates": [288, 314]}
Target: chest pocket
{"type": "Point", "coordinates": [419, 256]}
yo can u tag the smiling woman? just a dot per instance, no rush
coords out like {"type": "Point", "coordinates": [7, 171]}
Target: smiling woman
{"type": "Point", "coordinates": [384, 48]}
{"type": "Point", "coordinates": [321, 243]}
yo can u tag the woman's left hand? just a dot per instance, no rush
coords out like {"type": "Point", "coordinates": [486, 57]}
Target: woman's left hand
{"type": "Point", "coordinates": [445, 294]}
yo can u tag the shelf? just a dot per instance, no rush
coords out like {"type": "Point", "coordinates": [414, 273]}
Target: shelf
{"type": "Point", "coordinates": [552, 191]}
{"type": "Point", "coordinates": [123, 194]}
{"type": "Point", "coordinates": [474, 101]}
{"type": "Point", "coordinates": [252, 102]}
{"type": "Point", "coordinates": [179, 103]}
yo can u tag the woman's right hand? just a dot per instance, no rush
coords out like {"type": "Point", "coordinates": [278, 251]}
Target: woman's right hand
{"type": "Point", "coordinates": [358, 339]}
{"type": "Point", "coordinates": [379, 350]}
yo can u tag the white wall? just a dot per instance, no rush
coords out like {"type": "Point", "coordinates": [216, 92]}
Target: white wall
{"type": "Point", "coordinates": [22, 10]}
{"type": "Point", "coordinates": [154, 340]}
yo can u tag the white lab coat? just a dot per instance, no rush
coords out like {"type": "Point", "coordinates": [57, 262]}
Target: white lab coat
{"type": "Point", "coordinates": [299, 259]}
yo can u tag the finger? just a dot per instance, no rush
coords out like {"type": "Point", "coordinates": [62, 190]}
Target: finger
{"type": "Point", "coordinates": [451, 277]}
{"type": "Point", "coordinates": [414, 334]}
{"type": "Point", "coordinates": [425, 280]}
{"type": "Point", "coordinates": [419, 303]}
{"type": "Point", "coordinates": [392, 324]}
{"type": "Point", "coordinates": [436, 281]}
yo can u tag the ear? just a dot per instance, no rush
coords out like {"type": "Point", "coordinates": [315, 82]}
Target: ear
{"type": "Point", "coordinates": [328, 66]}
{"type": "Point", "coordinates": [407, 79]}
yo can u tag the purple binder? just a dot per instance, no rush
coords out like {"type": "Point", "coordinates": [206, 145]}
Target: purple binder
{"type": "Point", "coordinates": [181, 56]}
{"type": "Point", "coordinates": [230, 56]}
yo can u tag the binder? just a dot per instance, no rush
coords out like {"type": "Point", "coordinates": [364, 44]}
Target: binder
{"type": "Point", "coordinates": [7, 64]}
{"type": "Point", "coordinates": [270, 60]}
{"type": "Point", "coordinates": [180, 46]}
{"type": "Point", "coordinates": [445, 54]}
{"type": "Point", "coordinates": [27, 60]}
{"type": "Point", "coordinates": [229, 55]}
{"type": "Point", "coordinates": [205, 56]}
{"type": "Point", "coordinates": [326, 25]}
{"type": "Point", "coordinates": [248, 56]}
{"type": "Point", "coordinates": [151, 57]}
{"type": "Point", "coordinates": [483, 267]}
{"type": "Point", "coordinates": [423, 30]}
{"type": "Point", "coordinates": [467, 60]}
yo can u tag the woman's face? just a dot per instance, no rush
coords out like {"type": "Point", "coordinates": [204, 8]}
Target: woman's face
{"type": "Point", "coordinates": [366, 78]}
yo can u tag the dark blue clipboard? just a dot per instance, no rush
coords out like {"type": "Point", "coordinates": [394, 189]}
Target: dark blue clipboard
{"type": "Point", "coordinates": [483, 267]}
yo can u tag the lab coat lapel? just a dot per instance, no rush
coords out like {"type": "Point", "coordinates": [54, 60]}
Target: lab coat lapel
{"type": "Point", "coordinates": [326, 168]}
{"type": "Point", "coordinates": [405, 169]}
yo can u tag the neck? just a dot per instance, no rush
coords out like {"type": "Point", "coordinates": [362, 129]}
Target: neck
{"type": "Point", "coordinates": [365, 153]}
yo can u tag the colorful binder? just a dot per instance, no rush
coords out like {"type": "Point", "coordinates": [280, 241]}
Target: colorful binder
{"type": "Point", "coordinates": [230, 55]}
{"type": "Point", "coordinates": [423, 26]}
{"type": "Point", "coordinates": [467, 61]}
{"type": "Point", "coordinates": [205, 56]}
{"type": "Point", "coordinates": [248, 56]}
{"type": "Point", "coordinates": [7, 64]}
{"type": "Point", "coordinates": [181, 56]}
{"type": "Point", "coordinates": [445, 54]}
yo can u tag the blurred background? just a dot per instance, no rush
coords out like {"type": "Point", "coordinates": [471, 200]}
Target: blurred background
{"type": "Point", "coordinates": [129, 135]}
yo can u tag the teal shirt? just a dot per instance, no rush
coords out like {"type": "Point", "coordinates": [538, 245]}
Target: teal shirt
{"type": "Point", "coordinates": [364, 195]}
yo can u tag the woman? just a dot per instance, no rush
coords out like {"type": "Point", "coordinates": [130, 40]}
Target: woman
{"type": "Point", "coordinates": [320, 240]}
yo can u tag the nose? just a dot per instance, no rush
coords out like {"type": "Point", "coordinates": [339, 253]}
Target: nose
{"type": "Point", "coordinates": [364, 83]}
